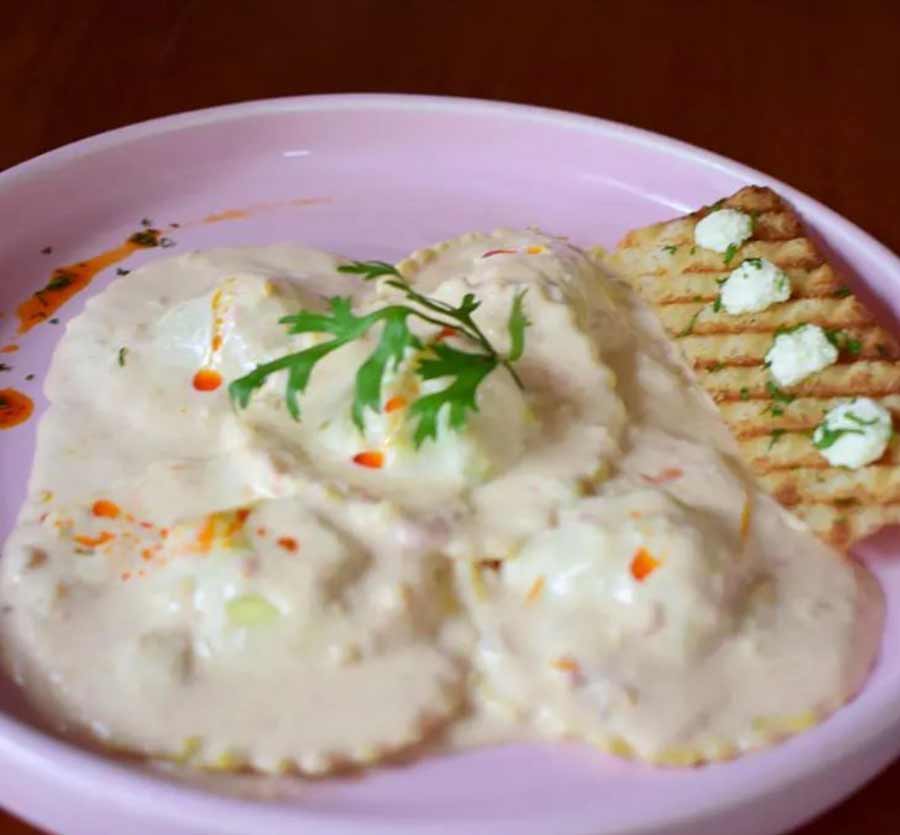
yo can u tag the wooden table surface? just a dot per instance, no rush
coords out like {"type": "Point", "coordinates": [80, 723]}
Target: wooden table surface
{"type": "Point", "coordinates": [806, 91]}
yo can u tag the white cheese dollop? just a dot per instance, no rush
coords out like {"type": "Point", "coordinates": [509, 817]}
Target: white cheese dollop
{"type": "Point", "coordinates": [755, 285]}
{"type": "Point", "coordinates": [854, 434]}
{"type": "Point", "coordinates": [722, 229]}
{"type": "Point", "coordinates": [798, 353]}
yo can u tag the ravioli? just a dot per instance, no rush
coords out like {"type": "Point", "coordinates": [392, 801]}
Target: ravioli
{"type": "Point", "coordinates": [255, 582]}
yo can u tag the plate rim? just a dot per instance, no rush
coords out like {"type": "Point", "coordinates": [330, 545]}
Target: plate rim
{"type": "Point", "coordinates": [59, 762]}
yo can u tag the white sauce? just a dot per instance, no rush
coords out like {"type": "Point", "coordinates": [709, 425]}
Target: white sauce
{"type": "Point", "coordinates": [854, 434]}
{"type": "Point", "coordinates": [722, 229]}
{"type": "Point", "coordinates": [262, 598]}
{"type": "Point", "coordinates": [798, 353]}
{"type": "Point", "coordinates": [754, 286]}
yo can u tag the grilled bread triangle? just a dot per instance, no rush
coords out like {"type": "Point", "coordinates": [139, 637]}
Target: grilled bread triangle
{"type": "Point", "coordinates": [680, 280]}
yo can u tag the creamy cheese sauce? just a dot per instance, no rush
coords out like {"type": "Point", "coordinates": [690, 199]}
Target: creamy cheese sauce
{"type": "Point", "coordinates": [585, 559]}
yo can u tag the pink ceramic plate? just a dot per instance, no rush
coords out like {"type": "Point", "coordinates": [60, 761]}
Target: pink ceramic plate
{"type": "Point", "coordinates": [391, 173]}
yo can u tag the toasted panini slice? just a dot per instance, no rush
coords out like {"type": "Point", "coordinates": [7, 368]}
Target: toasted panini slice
{"type": "Point", "coordinates": [774, 428]}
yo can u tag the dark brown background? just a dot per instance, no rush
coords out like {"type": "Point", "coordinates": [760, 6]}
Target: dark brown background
{"type": "Point", "coordinates": [806, 91]}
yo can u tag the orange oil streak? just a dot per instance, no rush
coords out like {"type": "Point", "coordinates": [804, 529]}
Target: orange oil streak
{"type": "Point", "coordinates": [67, 281]}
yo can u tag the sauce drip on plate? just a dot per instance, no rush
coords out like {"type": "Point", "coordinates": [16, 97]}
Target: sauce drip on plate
{"type": "Point", "coordinates": [15, 408]}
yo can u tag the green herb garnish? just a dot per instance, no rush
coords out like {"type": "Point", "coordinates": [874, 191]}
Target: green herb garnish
{"type": "Point", "coordinates": [753, 262]}
{"type": "Point", "coordinates": [842, 292]}
{"type": "Point", "coordinates": [440, 360]}
{"type": "Point", "coordinates": [857, 419]}
{"type": "Point", "coordinates": [825, 436]}
{"type": "Point", "coordinates": [59, 281]}
{"type": "Point", "coordinates": [717, 304]}
{"type": "Point", "coordinates": [730, 253]}
{"type": "Point", "coordinates": [844, 342]}
{"type": "Point", "coordinates": [146, 238]}
{"type": "Point", "coordinates": [777, 394]}
{"type": "Point", "coordinates": [745, 393]}
{"type": "Point", "coordinates": [670, 248]}
{"type": "Point", "coordinates": [776, 437]}
{"type": "Point", "coordinates": [123, 352]}
{"type": "Point", "coordinates": [689, 327]}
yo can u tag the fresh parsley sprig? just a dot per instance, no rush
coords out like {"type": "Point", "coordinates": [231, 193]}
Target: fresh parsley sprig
{"type": "Point", "coordinates": [467, 368]}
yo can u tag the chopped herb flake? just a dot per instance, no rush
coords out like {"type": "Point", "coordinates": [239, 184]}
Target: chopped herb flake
{"type": "Point", "coordinates": [730, 253]}
{"type": "Point", "coordinates": [842, 292]}
{"type": "Point", "coordinates": [689, 328]}
{"type": "Point", "coordinates": [745, 393]}
{"type": "Point", "coordinates": [857, 419]}
{"type": "Point", "coordinates": [844, 342]}
{"type": "Point", "coordinates": [717, 304]}
{"type": "Point", "coordinates": [670, 248]}
{"type": "Point", "coordinates": [693, 250]}
{"type": "Point", "coordinates": [753, 262]}
{"type": "Point", "coordinates": [825, 436]}
{"type": "Point", "coordinates": [777, 394]}
{"type": "Point", "coordinates": [122, 271]}
{"type": "Point", "coordinates": [147, 238]}
{"type": "Point", "coordinates": [123, 353]}
{"type": "Point", "coordinates": [59, 281]}
{"type": "Point", "coordinates": [776, 437]}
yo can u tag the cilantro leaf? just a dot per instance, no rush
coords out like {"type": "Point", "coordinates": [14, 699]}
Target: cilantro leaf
{"type": "Point", "coordinates": [369, 269]}
{"type": "Point", "coordinates": [395, 340]}
{"type": "Point", "coordinates": [516, 325]}
{"type": "Point", "coordinates": [730, 252]}
{"type": "Point", "coordinates": [468, 370]}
